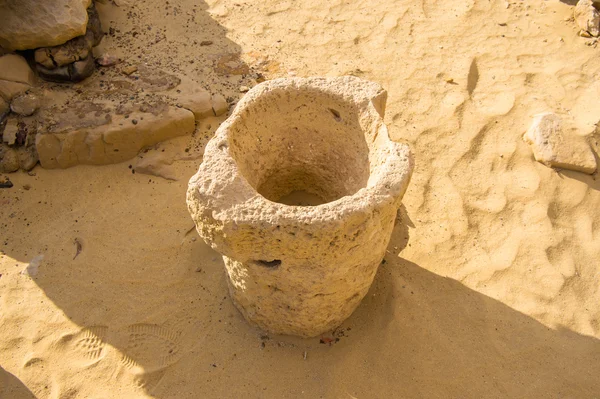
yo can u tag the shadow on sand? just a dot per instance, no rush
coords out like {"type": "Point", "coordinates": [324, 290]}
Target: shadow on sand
{"type": "Point", "coordinates": [12, 388]}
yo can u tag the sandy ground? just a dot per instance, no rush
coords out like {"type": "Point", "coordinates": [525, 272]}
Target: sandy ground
{"type": "Point", "coordinates": [494, 295]}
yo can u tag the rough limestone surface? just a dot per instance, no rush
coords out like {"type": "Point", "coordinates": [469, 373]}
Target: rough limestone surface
{"type": "Point", "coordinates": [554, 146]}
{"type": "Point", "coordinates": [301, 270]}
{"type": "Point", "coordinates": [29, 24]}
{"type": "Point", "coordinates": [587, 17]}
{"type": "Point", "coordinates": [118, 138]}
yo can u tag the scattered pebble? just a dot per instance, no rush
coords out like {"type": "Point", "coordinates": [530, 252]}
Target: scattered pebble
{"type": "Point", "coordinates": [5, 182]}
{"type": "Point", "coordinates": [128, 70]}
{"type": "Point", "coordinates": [107, 60]}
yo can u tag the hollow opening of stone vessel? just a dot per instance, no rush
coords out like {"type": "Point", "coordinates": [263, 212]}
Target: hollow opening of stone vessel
{"type": "Point", "coordinates": [301, 147]}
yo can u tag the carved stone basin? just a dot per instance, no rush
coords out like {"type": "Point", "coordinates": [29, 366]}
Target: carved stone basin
{"type": "Point", "coordinates": [299, 190]}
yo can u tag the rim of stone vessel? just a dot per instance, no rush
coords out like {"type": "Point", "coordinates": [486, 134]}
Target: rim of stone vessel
{"type": "Point", "coordinates": [233, 198]}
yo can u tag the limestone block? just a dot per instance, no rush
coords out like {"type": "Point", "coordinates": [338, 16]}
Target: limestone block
{"type": "Point", "coordinates": [120, 139]}
{"type": "Point", "coordinates": [29, 24]}
{"type": "Point", "coordinates": [554, 146]}
{"type": "Point", "coordinates": [293, 268]}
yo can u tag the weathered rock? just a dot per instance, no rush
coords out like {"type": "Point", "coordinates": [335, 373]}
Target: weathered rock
{"type": "Point", "coordinates": [128, 70]}
{"type": "Point", "coordinates": [219, 104]}
{"type": "Point", "coordinates": [71, 61]}
{"type": "Point", "coordinates": [9, 161]}
{"type": "Point", "coordinates": [25, 104]}
{"type": "Point", "coordinates": [10, 131]}
{"type": "Point", "coordinates": [29, 24]}
{"type": "Point", "coordinates": [106, 60]}
{"type": "Point", "coordinates": [199, 103]}
{"type": "Point", "coordinates": [9, 90]}
{"type": "Point", "coordinates": [554, 146]}
{"type": "Point", "coordinates": [120, 138]}
{"type": "Point", "coordinates": [75, 72]}
{"type": "Point", "coordinates": [28, 157]}
{"type": "Point", "coordinates": [14, 68]}
{"type": "Point", "coordinates": [587, 17]}
{"type": "Point", "coordinates": [301, 270]}
{"type": "Point", "coordinates": [65, 54]}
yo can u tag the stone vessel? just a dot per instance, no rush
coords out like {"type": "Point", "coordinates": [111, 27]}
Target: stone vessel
{"type": "Point", "coordinates": [299, 268]}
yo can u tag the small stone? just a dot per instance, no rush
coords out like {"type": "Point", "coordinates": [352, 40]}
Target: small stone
{"type": "Point", "coordinates": [9, 161]}
{"type": "Point", "coordinates": [25, 104]}
{"type": "Point", "coordinates": [107, 60]}
{"type": "Point", "coordinates": [134, 121]}
{"type": "Point", "coordinates": [8, 90]}
{"type": "Point", "coordinates": [128, 70]}
{"type": "Point", "coordinates": [113, 141]}
{"type": "Point", "coordinates": [10, 131]}
{"type": "Point", "coordinates": [14, 68]}
{"type": "Point", "coordinates": [554, 147]}
{"type": "Point", "coordinates": [5, 182]}
{"type": "Point", "coordinates": [587, 17]}
{"type": "Point", "coordinates": [244, 89]}
{"type": "Point", "coordinates": [75, 72]}
{"type": "Point", "coordinates": [584, 33]}
{"type": "Point", "coordinates": [219, 104]}
{"type": "Point", "coordinates": [42, 56]}
{"type": "Point", "coordinates": [206, 42]}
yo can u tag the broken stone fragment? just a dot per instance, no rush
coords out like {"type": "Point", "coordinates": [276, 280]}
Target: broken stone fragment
{"type": "Point", "coordinates": [128, 70]}
{"type": "Point", "coordinates": [29, 24]}
{"type": "Point", "coordinates": [219, 104]}
{"type": "Point", "coordinates": [24, 104]}
{"type": "Point", "coordinates": [9, 161]}
{"type": "Point", "coordinates": [554, 146]}
{"type": "Point", "coordinates": [10, 131]}
{"type": "Point", "coordinates": [587, 17]}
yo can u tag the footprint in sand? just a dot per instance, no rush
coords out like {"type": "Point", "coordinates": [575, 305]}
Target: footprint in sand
{"type": "Point", "coordinates": [150, 350]}
{"type": "Point", "coordinates": [86, 347]}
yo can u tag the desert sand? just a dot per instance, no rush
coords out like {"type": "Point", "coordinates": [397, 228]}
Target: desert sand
{"type": "Point", "coordinates": [490, 284]}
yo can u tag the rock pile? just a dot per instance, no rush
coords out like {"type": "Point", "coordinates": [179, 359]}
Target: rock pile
{"type": "Point", "coordinates": [17, 147]}
{"type": "Point", "coordinates": [62, 33]}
